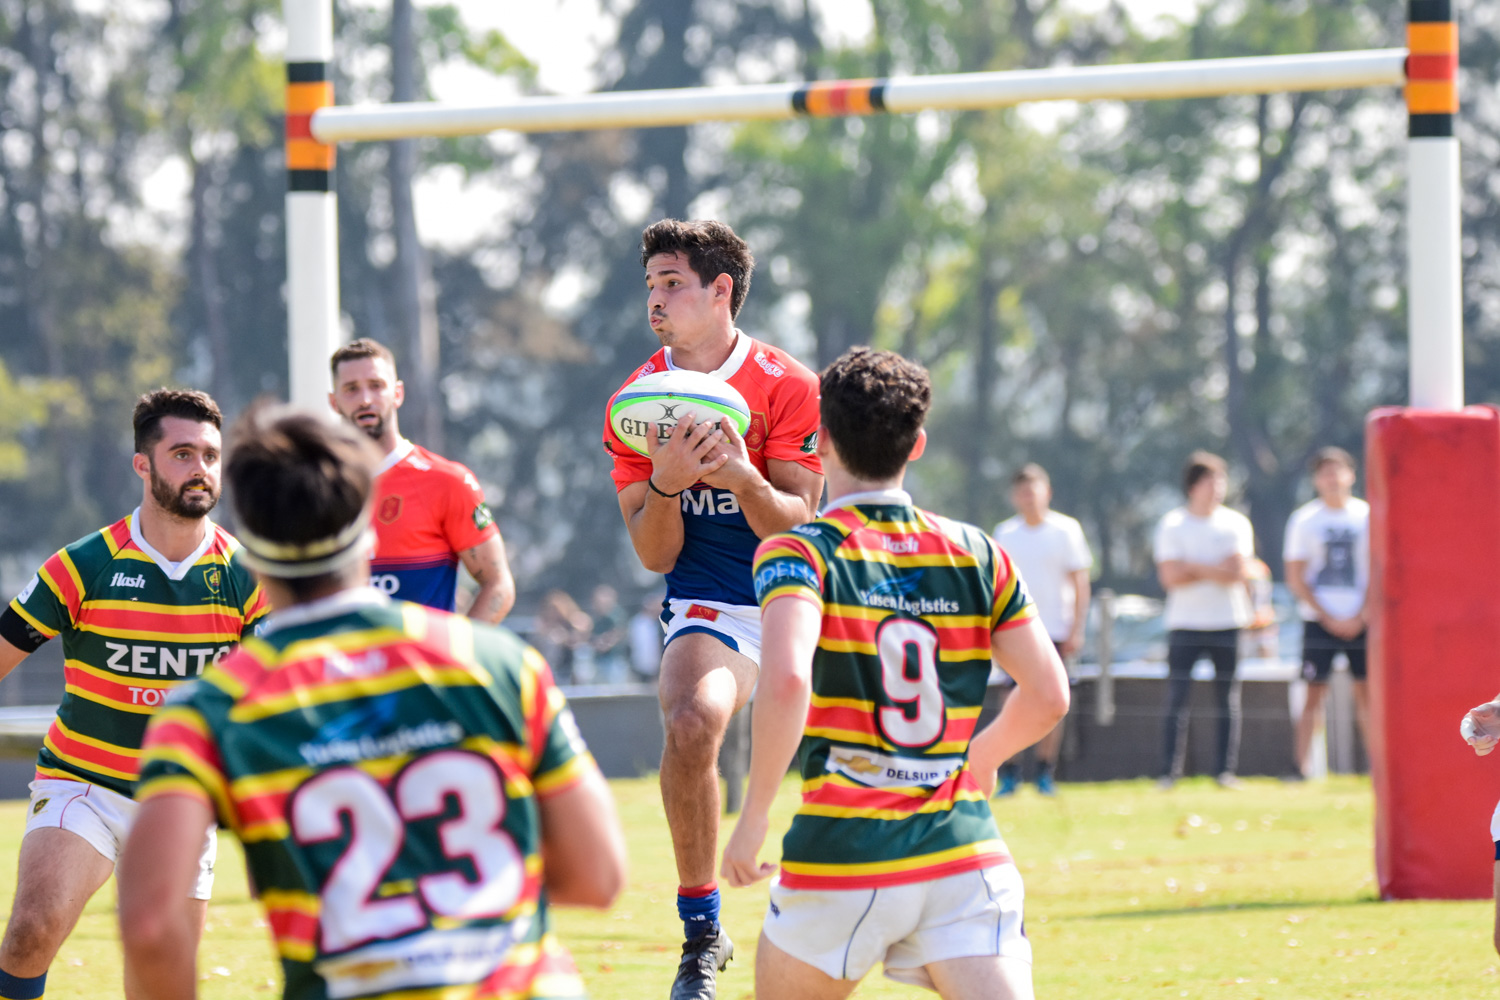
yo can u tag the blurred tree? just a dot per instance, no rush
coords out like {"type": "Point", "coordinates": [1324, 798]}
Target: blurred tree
{"type": "Point", "coordinates": [556, 317]}
{"type": "Point", "coordinates": [83, 302]}
{"type": "Point", "coordinates": [1099, 288]}
{"type": "Point", "coordinates": [217, 97]}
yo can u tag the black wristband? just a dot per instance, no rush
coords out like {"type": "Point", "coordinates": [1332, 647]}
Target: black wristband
{"type": "Point", "coordinates": [658, 489]}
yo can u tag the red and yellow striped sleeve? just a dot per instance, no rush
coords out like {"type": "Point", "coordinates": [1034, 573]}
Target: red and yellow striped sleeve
{"type": "Point", "coordinates": [789, 566]}
{"type": "Point", "coordinates": [52, 601]}
{"type": "Point", "coordinates": [560, 756]}
{"type": "Point", "coordinates": [1013, 605]}
{"type": "Point", "coordinates": [180, 757]}
{"type": "Point", "coordinates": [256, 608]}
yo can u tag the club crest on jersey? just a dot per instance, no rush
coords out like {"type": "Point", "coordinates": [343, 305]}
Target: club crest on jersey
{"type": "Point", "coordinates": [755, 436]}
{"type": "Point", "coordinates": [482, 517]}
{"type": "Point", "coordinates": [810, 443]}
{"type": "Point", "coordinates": [212, 578]}
{"type": "Point", "coordinates": [389, 510]}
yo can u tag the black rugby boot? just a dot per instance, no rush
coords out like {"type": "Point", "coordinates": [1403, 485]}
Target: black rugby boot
{"type": "Point", "coordinates": [703, 957]}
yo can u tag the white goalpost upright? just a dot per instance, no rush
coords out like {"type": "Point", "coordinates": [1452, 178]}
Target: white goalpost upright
{"type": "Point", "coordinates": [312, 240]}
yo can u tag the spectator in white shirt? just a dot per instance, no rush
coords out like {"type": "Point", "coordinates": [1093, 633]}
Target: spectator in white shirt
{"type": "Point", "coordinates": [1049, 551]}
{"type": "Point", "coordinates": [1203, 553]}
{"type": "Point", "coordinates": [1327, 557]}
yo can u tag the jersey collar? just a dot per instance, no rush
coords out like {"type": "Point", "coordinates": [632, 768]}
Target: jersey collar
{"type": "Point", "coordinates": [177, 570]}
{"type": "Point", "coordinates": [736, 357]}
{"type": "Point", "coordinates": [884, 498]}
{"type": "Point", "coordinates": [402, 449]}
{"type": "Point", "coordinates": [331, 606]}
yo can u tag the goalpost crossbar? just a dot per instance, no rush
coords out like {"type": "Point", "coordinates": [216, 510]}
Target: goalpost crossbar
{"type": "Point", "coordinates": [948, 92]}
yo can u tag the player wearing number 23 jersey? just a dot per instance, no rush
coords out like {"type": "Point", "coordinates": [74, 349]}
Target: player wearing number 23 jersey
{"type": "Point", "coordinates": [909, 601]}
{"type": "Point", "coordinates": [409, 785]}
{"type": "Point", "coordinates": [381, 762]}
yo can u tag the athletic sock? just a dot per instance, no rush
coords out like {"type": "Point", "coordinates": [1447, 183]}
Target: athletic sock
{"type": "Point", "coordinates": [17, 988]}
{"type": "Point", "coordinates": [1043, 769]}
{"type": "Point", "coordinates": [698, 906]}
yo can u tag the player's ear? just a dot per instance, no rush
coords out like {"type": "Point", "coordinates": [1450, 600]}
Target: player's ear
{"type": "Point", "coordinates": [400, 392]}
{"type": "Point", "coordinates": [919, 447]}
{"type": "Point", "coordinates": [723, 287]}
{"type": "Point", "coordinates": [142, 466]}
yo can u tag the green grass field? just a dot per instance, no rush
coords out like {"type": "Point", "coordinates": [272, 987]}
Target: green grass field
{"type": "Point", "coordinates": [1263, 892]}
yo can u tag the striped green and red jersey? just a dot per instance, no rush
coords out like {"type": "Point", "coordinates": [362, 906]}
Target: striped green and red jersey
{"type": "Point", "coordinates": [909, 602]}
{"type": "Point", "coordinates": [382, 764]}
{"type": "Point", "coordinates": [133, 626]}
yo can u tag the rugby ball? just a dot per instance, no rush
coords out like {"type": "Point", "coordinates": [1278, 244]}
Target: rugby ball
{"type": "Point", "coordinates": [663, 398]}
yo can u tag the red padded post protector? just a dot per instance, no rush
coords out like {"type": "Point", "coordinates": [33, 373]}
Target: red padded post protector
{"type": "Point", "coordinates": [1434, 487]}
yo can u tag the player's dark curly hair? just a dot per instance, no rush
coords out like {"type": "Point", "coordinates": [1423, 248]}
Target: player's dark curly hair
{"type": "Point", "coordinates": [189, 404]}
{"type": "Point", "coordinates": [711, 249]}
{"type": "Point", "coordinates": [873, 405]}
{"type": "Point", "coordinates": [1200, 465]}
{"type": "Point", "coordinates": [297, 476]}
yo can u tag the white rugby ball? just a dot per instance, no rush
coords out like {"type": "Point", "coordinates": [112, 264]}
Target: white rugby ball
{"type": "Point", "coordinates": [663, 398]}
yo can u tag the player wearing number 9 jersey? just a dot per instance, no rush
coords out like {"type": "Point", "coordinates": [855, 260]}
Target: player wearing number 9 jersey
{"type": "Point", "coordinates": [880, 621]}
{"type": "Point", "coordinates": [409, 786]}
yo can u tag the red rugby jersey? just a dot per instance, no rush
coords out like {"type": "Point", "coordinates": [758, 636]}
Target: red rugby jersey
{"type": "Point", "coordinates": [427, 510]}
{"type": "Point", "coordinates": [718, 544]}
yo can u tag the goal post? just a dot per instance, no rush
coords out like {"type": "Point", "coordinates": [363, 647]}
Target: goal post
{"type": "Point", "coordinates": [896, 95]}
{"type": "Point", "coordinates": [1411, 859]}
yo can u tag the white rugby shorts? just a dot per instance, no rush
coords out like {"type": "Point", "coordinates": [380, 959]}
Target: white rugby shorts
{"type": "Point", "coordinates": [735, 625]}
{"type": "Point", "coordinates": [102, 818]}
{"type": "Point", "coordinates": [844, 932]}
{"type": "Point", "coordinates": [1495, 830]}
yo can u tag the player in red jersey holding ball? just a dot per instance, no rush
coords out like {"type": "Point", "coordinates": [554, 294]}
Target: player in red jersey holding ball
{"type": "Point", "coordinates": [429, 512]}
{"type": "Point", "coordinates": [696, 508]}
